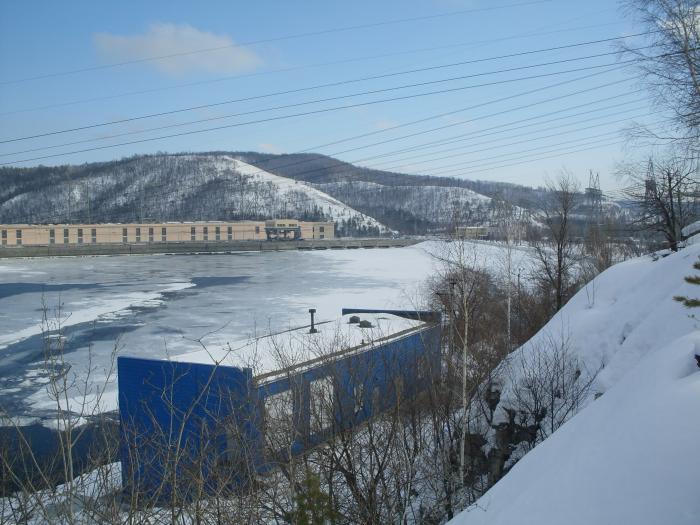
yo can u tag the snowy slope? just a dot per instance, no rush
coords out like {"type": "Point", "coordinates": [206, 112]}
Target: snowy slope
{"type": "Point", "coordinates": [286, 187]}
{"type": "Point", "coordinates": [631, 455]}
{"type": "Point", "coordinates": [434, 205]}
{"type": "Point", "coordinates": [624, 313]}
{"type": "Point", "coordinates": [165, 187]}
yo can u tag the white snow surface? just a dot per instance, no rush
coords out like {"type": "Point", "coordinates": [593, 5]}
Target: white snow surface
{"type": "Point", "coordinates": [329, 205]}
{"type": "Point", "coordinates": [691, 229]}
{"type": "Point", "coordinates": [426, 202]}
{"type": "Point", "coordinates": [295, 347]}
{"type": "Point", "coordinates": [631, 455]}
{"type": "Point", "coordinates": [94, 309]}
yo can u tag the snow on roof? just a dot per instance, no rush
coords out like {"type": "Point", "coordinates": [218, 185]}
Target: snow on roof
{"type": "Point", "coordinates": [297, 348]}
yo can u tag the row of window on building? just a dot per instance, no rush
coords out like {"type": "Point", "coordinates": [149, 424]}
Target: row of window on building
{"type": "Point", "coordinates": [140, 235]}
{"type": "Point", "coordinates": [52, 236]}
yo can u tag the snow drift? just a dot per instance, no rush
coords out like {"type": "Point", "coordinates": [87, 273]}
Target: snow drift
{"type": "Point", "coordinates": [629, 456]}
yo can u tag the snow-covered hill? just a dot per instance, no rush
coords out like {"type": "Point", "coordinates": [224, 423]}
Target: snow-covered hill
{"type": "Point", "coordinates": [605, 206]}
{"type": "Point", "coordinates": [429, 206]}
{"type": "Point", "coordinates": [167, 188]}
{"type": "Point", "coordinates": [301, 195]}
{"type": "Point", "coordinates": [208, 186]}
{"type": "Point", "coordinates": [630, 455]}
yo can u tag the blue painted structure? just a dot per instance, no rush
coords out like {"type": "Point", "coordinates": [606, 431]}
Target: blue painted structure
{"type": "Point", "coordinates": [174, 416]}
{"type": "Point", "coordinates": [178, 418]}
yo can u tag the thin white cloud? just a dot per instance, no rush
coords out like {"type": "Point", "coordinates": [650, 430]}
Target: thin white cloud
{"type": "Point", "coordinates": [384, 123]}
{"type": "Point", "coordinates": [170, 39]}
{"type": "Point", "coordinates": [269, 148]}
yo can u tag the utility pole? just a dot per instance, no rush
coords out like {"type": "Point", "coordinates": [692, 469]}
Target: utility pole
{"type": "Point", "coordinates": [520, 315]}
{"type": "Point", "coordinates": [510, 300]}
{"type": "Point", "coordinates": [452, 316]}
{"type": "Point", "coordinates": [465, 347]}
{"type": "Point", "coordinates": [509, 273]}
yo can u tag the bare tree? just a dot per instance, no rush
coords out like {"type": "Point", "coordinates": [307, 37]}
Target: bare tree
{"type": "Point", "coordinates": [556, 252]}
{"type": "Point", "coordinates": [667, 192]}
{"type": "Point", "coordinates": [474, 342]}
{"type": "Point", "coordinates": [37, 488]}
{"type": "Point", "coordinates": [510, 230]}
{"type": "Point", "coordinates": [417, 456]}
{"type": "Point", "coordinates": [670, 65]}
{"type": "Point", "coordinates": [549, 384]}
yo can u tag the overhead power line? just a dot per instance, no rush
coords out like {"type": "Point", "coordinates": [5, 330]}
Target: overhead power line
{"type": "Point", "coordinates": [480, 170]}
{"type": "Point", "coordinates": [505, 128]}
{"type": "Point", "coordinates": [474, 119]}
{"type": "Point", "coordinates": [333, 155]}
{"type": "Point", "coordinates": [461, 136]}
{"type": "Point", "coordinates": [273, 39]}
{"type": "Point", "coordinates": [528, 140]}
{"type": "Point", "coordinates": [485, 167]}
{"type": "Point", "coordinates": [471, 134]}
{"type": "Point", "coordinates": [450, 113]}
{"type": "Point", "coordinates": [337, 153]}
{"type": "Point", "coordinates": [422, 120]}
{"type": "Point", "coordinates": [484, 161]}
{"type": "Point", "coordinates": [327, 99]}
{"type": "Point", "coordinates": [314, 112]}
{"type": "Point", "coordinates": [365, 58]}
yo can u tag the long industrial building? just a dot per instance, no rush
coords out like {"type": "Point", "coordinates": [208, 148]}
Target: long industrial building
{"type": "Point", "coordinates": [166, 232]}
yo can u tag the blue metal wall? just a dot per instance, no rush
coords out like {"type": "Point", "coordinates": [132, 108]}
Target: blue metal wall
{"type": "Point", "coordinates": [401, 368]}
{"type": "Point", "coordinates": [179, 419]}
{"type": "Point", "coordinates": [174, 418]}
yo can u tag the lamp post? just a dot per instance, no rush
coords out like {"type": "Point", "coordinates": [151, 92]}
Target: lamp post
{"type": "Point", "coordinates": [465, 343]}
{"type": "Point", "coordinates": [313, 330]}
{"type": "Point", "coordinates": [520, 328]}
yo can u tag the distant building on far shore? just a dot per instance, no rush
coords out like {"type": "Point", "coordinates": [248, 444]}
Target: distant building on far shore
{"type": "Point", "coordinates": [145, 233]}
{"type": "Point", "coordinates": [472, 232]}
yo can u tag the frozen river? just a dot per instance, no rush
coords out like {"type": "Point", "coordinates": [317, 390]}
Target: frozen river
{"type": "Point", "coordinates": [153, 306]}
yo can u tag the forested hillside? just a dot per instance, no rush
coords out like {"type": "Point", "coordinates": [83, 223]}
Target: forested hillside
{"type": "Point", "coordinates": [248, 185]}
{"type": "Point", "coordinates": [167, 188]}
{"type": "Point", "coordinates": [211, 186]}
{"type": "Point", "coordinates": [409, 203]}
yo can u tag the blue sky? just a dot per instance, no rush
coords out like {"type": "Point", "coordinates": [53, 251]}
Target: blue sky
{"type": "Point", "coordinates": [262, 56]}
